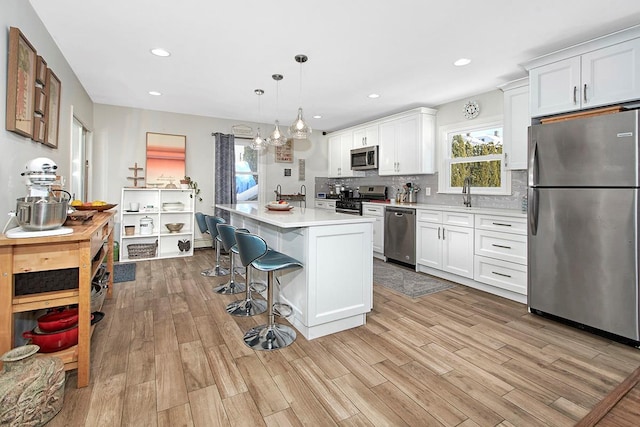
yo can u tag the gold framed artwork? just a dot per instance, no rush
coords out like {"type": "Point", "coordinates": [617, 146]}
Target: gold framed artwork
{"type": "Point", "coordinates": [41, 70]}
{"type": "Point", "coordinates": [284, 154]}
{"type": "Point", "coordinates": [21, 84]}
{"type": "Point", "coordinates": [53, 90]}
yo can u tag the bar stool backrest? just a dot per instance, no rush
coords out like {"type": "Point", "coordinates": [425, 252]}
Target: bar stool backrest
{"type": "Point", "coordinates": [228, 235]}
{"type": "Point", "coordinates": [201, 219]}
{"type": "Point", "coordinates": [250, 247]}
{"type": "Point", "coordinates": [212, 222]}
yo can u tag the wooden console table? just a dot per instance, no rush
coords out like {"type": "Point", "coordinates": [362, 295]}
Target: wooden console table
{"type": "Point", "coordinates": [86, 248]}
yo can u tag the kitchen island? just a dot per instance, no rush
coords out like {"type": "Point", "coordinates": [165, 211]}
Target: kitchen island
{"type": "Point", "coordinates": [334, 289]}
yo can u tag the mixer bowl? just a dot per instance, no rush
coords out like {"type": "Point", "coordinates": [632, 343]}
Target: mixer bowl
{"type": "Point", "coordinates": [41, 213]}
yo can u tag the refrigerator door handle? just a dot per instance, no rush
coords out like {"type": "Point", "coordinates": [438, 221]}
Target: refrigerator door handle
{"type": "Point", "coordinates": [533, 162]}
{"type": "Point", "coordinates": [533, 211]}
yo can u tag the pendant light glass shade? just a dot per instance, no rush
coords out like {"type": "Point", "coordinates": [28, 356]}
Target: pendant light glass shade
{"type": "Point", "coordinates": [277, 138]}
{"type": "Point", "coordinates": [300, 129]}
{"type": "Point", "coordinates": [258, 143]}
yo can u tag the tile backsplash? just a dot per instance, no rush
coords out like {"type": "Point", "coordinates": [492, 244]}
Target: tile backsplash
{"type": "Point", "coordinates": [513, 201]}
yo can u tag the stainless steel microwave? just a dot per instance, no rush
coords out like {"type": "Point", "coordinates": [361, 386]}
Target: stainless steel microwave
{"type": "Point", "coordinates": [364, 158]}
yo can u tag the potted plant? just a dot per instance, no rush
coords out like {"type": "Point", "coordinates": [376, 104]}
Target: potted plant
{"type": "Point", "coordinates": [193, 185]}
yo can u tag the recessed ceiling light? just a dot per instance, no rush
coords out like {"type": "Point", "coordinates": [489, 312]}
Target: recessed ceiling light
{"type": "Point", "coordinates": [462, 61]}
{"type": "Point", "coordinates": [160, 52]}
{"type": "Point", "coordinates": [317, 116]}
{"type": "Point", "coordinates": [154, 93]}
{"type": "Point", "coordinates": [374, 96]}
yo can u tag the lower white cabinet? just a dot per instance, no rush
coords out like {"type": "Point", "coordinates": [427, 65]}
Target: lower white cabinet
{"type": "Point", "coordinates": [141, 229]}
{"type": "Point", "coordinates": [444, 241]}
{"type": "Point", "coordinates": [501, 252]}
{"type": "Point", "coordinates": [377, 212]}
{"type": "Point", "coordinates": [329, 205]}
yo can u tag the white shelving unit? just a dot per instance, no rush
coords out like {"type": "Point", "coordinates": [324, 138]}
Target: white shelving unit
{"type": "Point", "coordinates": [151, 202]}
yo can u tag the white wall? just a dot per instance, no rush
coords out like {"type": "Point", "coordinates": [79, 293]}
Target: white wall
{"type": "Point", "coordinates": [17, 150]}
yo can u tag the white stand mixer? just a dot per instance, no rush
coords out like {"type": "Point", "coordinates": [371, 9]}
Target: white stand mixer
{"type": "Point", "coordinates": [40, 213]}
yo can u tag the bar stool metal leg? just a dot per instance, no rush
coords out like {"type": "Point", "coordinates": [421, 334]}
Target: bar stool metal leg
{"type": "Point", "coordinates": [231, 287]}
{"type": "Point", "coordinates": [247, 306]}
{"type": "Point", "coordinates": [273, 335]}
{"type": "Point", "coordinates": [217, 270]}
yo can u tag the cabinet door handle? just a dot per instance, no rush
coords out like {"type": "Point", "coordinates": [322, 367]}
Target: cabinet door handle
{"type": "Point", "coordinates": [438, 233]}
{"type": "Point", "coordinates": [501, 246]}
{"type": "Point", "coordinates": [502, 224]}
{"type": "Point", "coordinates": [584, 93]}
{"type": "Point", "coordinates": [442, 233]}
{"type": "Point", "coordinates": [575, 94]}
{"type": "Point", "coordinates": [506, 161]}
{"type": "Point", "coordinates": [501, 274]}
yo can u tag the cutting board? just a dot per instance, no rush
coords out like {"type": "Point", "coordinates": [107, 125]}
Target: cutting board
{"type": "Point", "coordinates": [79, 217]}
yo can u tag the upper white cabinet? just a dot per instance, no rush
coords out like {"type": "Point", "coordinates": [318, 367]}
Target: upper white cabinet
{"type": "Point", "coordinates": [365, 136]}
{"type": "Point", "coordinates": [340, 146]}
{"type": "Point", "coordinates": [516, 123]}
{"type": "Point", "coordinates": [407, 143]}
{"type": "Point", "coordinates": [601, 76]}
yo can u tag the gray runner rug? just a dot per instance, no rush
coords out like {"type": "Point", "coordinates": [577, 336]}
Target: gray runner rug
{"type": "Point", "coordinates": [407, 281]}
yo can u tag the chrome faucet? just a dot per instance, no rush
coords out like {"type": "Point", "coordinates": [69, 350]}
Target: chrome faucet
{"type": "Point", "coordinates": [278, 192]}
{"type": "Point", "coordinates": [466, 191]}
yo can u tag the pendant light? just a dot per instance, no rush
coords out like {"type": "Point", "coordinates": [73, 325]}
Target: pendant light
{"type": "Point", "coordinates": [258, 143]}
{"type": "Point", "coordinates": [300, 129]}
{"type": "Point", "coordinates": [277, 138]}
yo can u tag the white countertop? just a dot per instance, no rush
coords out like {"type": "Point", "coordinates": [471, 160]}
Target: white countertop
{"type": "Point", "coordinates": [294, 218]}
{"type": "Point", "coordinates": [517, 213]}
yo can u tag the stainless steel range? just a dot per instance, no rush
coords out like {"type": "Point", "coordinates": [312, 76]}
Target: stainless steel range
{"type": "Point", "coordinates": [352, 204]}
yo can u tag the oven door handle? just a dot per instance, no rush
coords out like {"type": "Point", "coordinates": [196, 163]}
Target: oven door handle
{"type": "Point", "coordinates": [347, 211]}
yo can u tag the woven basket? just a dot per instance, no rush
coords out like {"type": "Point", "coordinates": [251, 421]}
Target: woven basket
{"type": "Point", "coordinates": [142, 250]}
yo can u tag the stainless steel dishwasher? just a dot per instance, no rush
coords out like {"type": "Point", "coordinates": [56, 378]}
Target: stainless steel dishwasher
{"type": "Point", "coordinates": [400, 234]}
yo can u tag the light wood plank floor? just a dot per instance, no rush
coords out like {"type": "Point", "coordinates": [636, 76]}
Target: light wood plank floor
{"type": "Point", "coordinates": [167, 354]}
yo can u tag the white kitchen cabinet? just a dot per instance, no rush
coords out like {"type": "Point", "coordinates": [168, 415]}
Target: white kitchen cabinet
{"type": "Point", "coordinates": [329, 205]}
{"type": "Point", "coordinates": [377, 212]}
{"type": "Point", "coordinates": [340, 146]}
{"type": "Point", "coordinates": [604, 76]}
{"type": "Point", "coordinates": [407, 143]}
{"type": "Point", "coordinates": [445, 241]}
{"type": "Point", "coordinates": [516, 124]}
{"type": "Point", "coordinates": [501, 252]}
{"type": "Point", "coordinates": [365, 136]}
{"type": "Point", "coordinates": [152, 206]}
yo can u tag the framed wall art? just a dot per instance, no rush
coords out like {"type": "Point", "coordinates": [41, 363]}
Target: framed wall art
{"type": "Point", "coordinates": [41, 70]}
{"type": "Point", "coordinates": [21, 83]}
{"type": "Point", "coordinates": [53, 90]}
{"type": "Point", "coordinates": [284, 154]}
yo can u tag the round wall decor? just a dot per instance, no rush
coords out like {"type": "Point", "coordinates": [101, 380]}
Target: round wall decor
{"type": "Point", "coordinates": [471, 110]}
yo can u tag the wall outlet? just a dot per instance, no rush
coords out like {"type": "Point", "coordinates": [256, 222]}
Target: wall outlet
{"type": "Point", "coordinates": [427, 191]}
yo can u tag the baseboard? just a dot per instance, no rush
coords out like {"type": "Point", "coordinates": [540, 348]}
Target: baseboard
{"type": "Point", "coordinates": [202, 243]}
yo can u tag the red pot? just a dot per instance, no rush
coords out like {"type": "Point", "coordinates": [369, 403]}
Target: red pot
{"type": "Point", "coordinates": [55, 341]}
{"type": "Point", "coordinates": [58, 320]}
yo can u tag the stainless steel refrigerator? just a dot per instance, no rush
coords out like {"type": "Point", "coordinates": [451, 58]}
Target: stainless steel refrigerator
{"type": "Point", "coordinates": [583, 213]}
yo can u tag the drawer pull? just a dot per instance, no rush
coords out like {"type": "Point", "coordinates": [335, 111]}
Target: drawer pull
{"type": "Point", "coordinates": [501, 274]}
{"type": "Point", "coordinates": [501, 246]}
{"type": "Point", "coordinates": [502, 224]}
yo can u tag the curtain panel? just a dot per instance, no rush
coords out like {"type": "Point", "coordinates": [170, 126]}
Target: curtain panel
{"type": "Point", "coordinates": [225, 191]}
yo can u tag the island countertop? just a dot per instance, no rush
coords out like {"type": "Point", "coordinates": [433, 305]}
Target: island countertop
{"type": "Point", "coordinates": [294, 218]}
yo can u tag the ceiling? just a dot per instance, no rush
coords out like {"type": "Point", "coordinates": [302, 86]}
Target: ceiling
{"type": "Point", "coordinates": [401, 49]}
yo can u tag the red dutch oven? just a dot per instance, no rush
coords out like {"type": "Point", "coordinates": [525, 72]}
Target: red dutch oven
{"type": "Point", "coordinates": [53, 341]}
{"type": "Point", "coordinates": [58, 320]}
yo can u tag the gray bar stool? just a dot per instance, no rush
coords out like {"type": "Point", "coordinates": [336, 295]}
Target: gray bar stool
{"type": "Point", "coordinates": [248, 306]}
{"type": "Point", "coordinates": [253, 250]}
{"type": "Point", "coordinates": [228, 237]}
{"type": "Point", "coordinates": [212, 222]}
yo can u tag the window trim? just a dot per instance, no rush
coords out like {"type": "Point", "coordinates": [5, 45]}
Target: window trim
{"type": "Point", "coordinates": [445, 161]}
{"type": "Point", "coordinates": [247, 142]}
